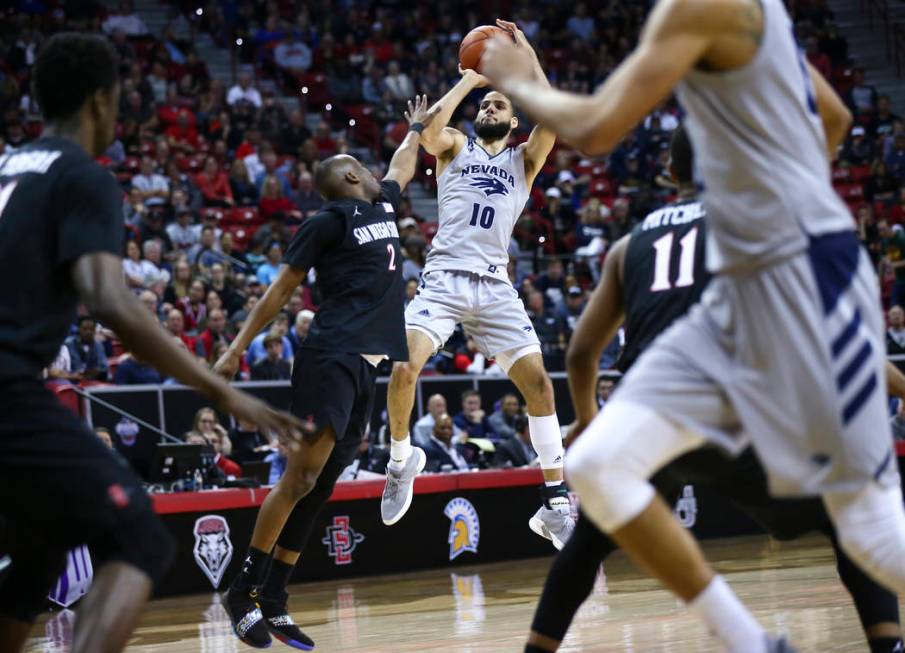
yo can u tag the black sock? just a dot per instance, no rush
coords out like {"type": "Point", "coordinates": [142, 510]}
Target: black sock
{"type": "Point", "coordinates": [886, 645]}
{"type": "Point", "coordinates": [253, 569]}
{"type": "Point", "coordinates": [533, 648]}
{"type": "Point", "coordinates": [549, 492]}
{"type": "Point", "coordinates": [277, 579]}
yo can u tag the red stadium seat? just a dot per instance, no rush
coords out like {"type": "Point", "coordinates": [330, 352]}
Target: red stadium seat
{"type": "Point", "coordinates": [851, 192]}
{"type": "Point", "coordinates": [214, 212]}
{"type": "Point", "coordinates": [428, 230]}
{"type": "Point", "coordinates": [244, 216]}
{"type": "Point", "coordinates": [860, 174]}
{"type": "Point", "coordinates": [841, 175]}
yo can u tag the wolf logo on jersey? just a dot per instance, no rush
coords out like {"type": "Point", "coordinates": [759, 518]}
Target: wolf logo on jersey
{"type": "Point", "coordinates": [490, 186]}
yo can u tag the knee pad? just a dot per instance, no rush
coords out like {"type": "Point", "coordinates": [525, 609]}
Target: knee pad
{"type": "Point", "coordinates": [870, 525]}
{"type": "Point", "coordinates": [610, 463]}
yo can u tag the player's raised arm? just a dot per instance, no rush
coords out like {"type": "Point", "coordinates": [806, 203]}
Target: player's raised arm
{"type": "Point", "coordinates": [597, 326]}
{"type": "Point", "coordinates": [442, 141]}
{"type": "Point", "coordinates": [836, 117]}
{"type": "Point", "coordinates": [97, 278]}
{"type": "Point", "coordinates": [405, 159]}
{"type": "Point", "coordinates": [677, 35]}
{"type": "Point", "coordinates": [541, 140]}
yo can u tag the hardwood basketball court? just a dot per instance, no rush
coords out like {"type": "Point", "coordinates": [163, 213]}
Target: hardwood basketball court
{"type": "Point", "coordinates": [791, 587]}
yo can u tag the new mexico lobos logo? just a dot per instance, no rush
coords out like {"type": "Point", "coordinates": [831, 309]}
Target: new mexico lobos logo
{"type": "Point", "coordinates": [213, 548]}
{"type": "Point", "coordinates": [464, 529]}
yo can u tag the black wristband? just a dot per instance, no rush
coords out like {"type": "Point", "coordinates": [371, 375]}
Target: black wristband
{"type": "Point", "coordinates": [416, 127]}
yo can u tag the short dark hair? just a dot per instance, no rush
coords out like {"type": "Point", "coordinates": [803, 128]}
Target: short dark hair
{"type": "Point", "coordinates": [69, 68]}
{"type": "Point", "coordinates": [681, 156]}
{"type": "Point", "coordinates": [85, 318]}
{"type": "Point", "coordinates": [470, 393]}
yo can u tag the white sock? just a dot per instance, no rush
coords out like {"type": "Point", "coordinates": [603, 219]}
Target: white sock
{"type": "Point", "coordinates": [546, 438]}
{"type": "Point", "coordinates": [728, 619]}
{"type": "Point", "coordinates": [400, 450]}
{"type": "Point", "coordinates": [552, 483]}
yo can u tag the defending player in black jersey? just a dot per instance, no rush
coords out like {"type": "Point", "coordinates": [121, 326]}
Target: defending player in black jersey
{"type": "Point", "coordinates": [353, 244]}
{"type": "Point", "coordinates": [652, 277]}
{"type": "Point", "coordinates": [61, 234]}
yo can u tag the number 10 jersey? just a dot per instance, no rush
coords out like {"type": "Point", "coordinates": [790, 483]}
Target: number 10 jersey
{"type": "Point", "coordinates": [480, 198]}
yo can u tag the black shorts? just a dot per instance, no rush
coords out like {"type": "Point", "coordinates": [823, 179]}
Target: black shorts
{"type": "Point", "coordinates": [334, 389]}
{"type": "Point", "coordinates": [744, 482]}
{"type": "Point", "coordinates": [62, 487]}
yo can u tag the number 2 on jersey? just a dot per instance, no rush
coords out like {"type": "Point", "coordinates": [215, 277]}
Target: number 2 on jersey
{"type": "Point", "coordinates": [487, 215]}
{"type": "Point", "coordinates": [392, 252]}
{"type": "Point", "coordinates": [664, 248]}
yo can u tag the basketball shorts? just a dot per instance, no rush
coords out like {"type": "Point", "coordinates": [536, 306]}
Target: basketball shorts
{"type": "Point", "coordinates": [789, 359]}
{"type": "Point", "coordinates": [489, 309]}
{"type": "Point", "coordinates": [334, 389]}
{"type": "Point", "coordinates": [62, 487]}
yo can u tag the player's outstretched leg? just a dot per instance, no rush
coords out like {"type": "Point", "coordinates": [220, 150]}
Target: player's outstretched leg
{"type": "Point", "coordinates": [406, 461]}
{"type": "Point", "coordinates": [302, 471]}
{"type": "Point", "coordinates": [553, 520]}
{"type": "Point", "coordinates": [609, 466]}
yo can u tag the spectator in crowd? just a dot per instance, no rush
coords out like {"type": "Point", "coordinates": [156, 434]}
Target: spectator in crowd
{"type": "Point", "coordinates": [181, 232]}
{"type": "Point", "coordinates": [575, 303]}
{"type": "Point", "coordinates": [175, 324]}
{"type": "Point", "coordinates": [257, 351]}
{"type": "Point", "coordinates": [299, 331]}
{"type": "Point", "coordinates": [215, 332]}
{"type": "Point", "coordinates": [103, 435]}
{"type": "Point", "coordinates": [132, 266]}
{"type": "Point", "coordinates": [895, 335]}
{"type": "Point", "coordinates": [859, 150]}
{"type": "Point", "coordinates": [292, 55]}
{"type": "Point", "coordinates": [219, 440]}
{"type": "Point", "coordinates": [193, 307]}
{"type": "Point", "coordinates": [605, 386]}
{"type": "Point", "coordinates": [411, 289]}
{"type": "Point", "coordinates": [245, 193]}
{"type": "Point", "coordinates": [214, 185]}
{"type": "Point", "coordinates": [516, 451]}
{"type": "Point", "coordinates": [861, 97]}
{"type": "Point", "coordinates": [86, 354]}
{"type": "Point", "coordinates": [895, 159]}
{"type": "Point", "coordinates": [471, 419]}
{"type": "Point", "coordinates": [415, 255]}
{"type": "Point", "coordinates": [205, 254]}
{"type": "Point", "coordinates": [552, 283]}
{"type": "Point", "coordinates": [424, 427]}
{"type": "Point", "coordinates": [154, 189]}
{"type": "Point", "coordinates": [272, 367]}
{"type": "Point", "coordinates": [61, 368]}
{"type": "Point", "coordinates": [273, 200]}
{"type": "Point", "coordinates": [898, 422]}
{"type": "Point", "coordinates": [550, 329]}
{"type": "Point", "coordinates": [398, 84]}
{"type": "Point", "coordinates": [278, 460]}
{"type": "Point", "coordinates": [125, 20]}
{"type": "Point", "coordinates": [442, 454]}
{"type": "Point", "coordinates": [243, 91]}
{"type": "Point", "coordinates": [249, 444]}
{"type": "Point", "coordinates": [469, 359]}
{"type": "Point", "coordinates": [132, 371]}
{"type": "Point", "coordinates": [294, 134]}
{"type": "Point", "coordinates": [150, 301]}
{"type": "Point", "coordinates": [580, 24]}
{"type": "Point", "coordinates": [268, 271]}
{"type": "Point", "coordinates": [892, 244]}
{"type": "Point", "coordinates": [503, 421]}
{"type": "Point", "coordinates": [884, 120]}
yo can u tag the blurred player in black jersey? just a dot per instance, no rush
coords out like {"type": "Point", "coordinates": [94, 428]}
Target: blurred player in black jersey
{"type": "Point", "coordinates": [652, 277]}
{"type": "Point", "coordinates": [353, 244]}
{"type": "Point", "coordinates": [61, 235]}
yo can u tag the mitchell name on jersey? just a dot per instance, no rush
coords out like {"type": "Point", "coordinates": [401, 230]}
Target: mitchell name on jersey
{"type": "Point", "coordinates": [376, 231]}
{"type": "Point", "coordinates": [672, 215]}
{"type": "Point", "coordinates": [490, 179]}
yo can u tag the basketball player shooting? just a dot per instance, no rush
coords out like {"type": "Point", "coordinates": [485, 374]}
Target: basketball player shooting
{"type": "Point", "coordinates": [483, 187]}
{"type": "Point", "coordinates": [785, 350]}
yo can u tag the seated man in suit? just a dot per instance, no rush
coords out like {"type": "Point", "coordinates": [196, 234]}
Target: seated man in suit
{"type": "Point", "coordinates": [442, 454]}
{"type": "Point", "coordinates": [517, 451]}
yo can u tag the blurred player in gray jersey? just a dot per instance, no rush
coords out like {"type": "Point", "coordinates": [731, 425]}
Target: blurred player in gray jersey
{"type": "Point", "coordinates": [483, 186]}
{"type": "Point", "coordinates": [785, 350]}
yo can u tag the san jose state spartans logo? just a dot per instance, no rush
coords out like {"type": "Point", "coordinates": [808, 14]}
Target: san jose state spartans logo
{"type": "Point", "coordinates": [213, 548]}
{"type": "Point", "coordinates": [464, 529]}
{"type": "Point", "coordinates": [341, 540]}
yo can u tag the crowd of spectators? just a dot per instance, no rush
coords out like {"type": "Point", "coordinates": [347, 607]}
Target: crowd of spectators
{"type": "Point", "coordinates": [217, 176]}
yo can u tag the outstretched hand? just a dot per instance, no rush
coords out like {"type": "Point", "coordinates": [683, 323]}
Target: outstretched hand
{"type": "Point", "coordinates": [477, 79]}
{"type": "Point", "coordinates": [505, 62]}
{"type": "Point", "coordinates": [517, 35]}
{"type": "Point", "coordinates": [419, 111]}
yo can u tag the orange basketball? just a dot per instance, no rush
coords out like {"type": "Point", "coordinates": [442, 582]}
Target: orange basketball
{"type": "Point", "coordinates": [472, 46]}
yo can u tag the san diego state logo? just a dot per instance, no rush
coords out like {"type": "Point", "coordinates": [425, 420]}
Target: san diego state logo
{"type": "Point", "coordinates": [464, 529]}
{"type": "Point", "coordinates": [341, 540]}
{"type": "Point", "coordinates": [213, 548]}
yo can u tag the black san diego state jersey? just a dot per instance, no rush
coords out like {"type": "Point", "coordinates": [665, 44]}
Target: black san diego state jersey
{"type": "Point", "coordinates": [56, 204]}
{"type": "Point", "coordinates": [354, 247]}
{"type": "Point", "coordinates": [663, 274]}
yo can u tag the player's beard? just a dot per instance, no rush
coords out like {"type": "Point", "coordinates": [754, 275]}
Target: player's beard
{"type": "Point", "coordinates": [491, 131]}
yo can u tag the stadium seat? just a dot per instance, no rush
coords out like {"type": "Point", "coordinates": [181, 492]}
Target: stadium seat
{"type": "Point", "coordinates": [215, 212]}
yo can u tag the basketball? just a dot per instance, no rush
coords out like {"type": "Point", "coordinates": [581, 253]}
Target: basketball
{"type": "Point", "coordinates": [472, 46]}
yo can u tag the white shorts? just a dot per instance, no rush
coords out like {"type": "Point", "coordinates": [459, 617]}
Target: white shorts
{"type": "Point", "coordinates": [489, 309]}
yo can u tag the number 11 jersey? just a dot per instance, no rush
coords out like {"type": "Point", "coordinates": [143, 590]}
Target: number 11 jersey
{"type": "Point", "coordinates": [480, 197]}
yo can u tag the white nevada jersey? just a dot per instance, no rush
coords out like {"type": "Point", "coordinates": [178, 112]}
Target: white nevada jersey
{"type": "Point", "coordinates": [760, 149]}
{"type": "Point", "coordinates": [480, 198]}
